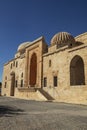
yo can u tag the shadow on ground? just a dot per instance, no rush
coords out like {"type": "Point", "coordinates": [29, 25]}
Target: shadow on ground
{"type": "Point", "coordinates": [9, 111]}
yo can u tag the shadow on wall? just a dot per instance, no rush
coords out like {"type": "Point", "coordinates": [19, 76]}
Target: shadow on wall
{"type": "Point", "coordinates": [9, 111]}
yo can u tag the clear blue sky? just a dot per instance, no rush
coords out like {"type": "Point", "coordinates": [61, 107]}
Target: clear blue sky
{"type": "Point", "coordinates": [27, 20]}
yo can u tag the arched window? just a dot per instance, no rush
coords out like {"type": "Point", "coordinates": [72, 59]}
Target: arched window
{"type": "Point", "coordinates": [77, 76]}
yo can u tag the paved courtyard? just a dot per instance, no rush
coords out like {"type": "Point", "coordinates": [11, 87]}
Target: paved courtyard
{"type": "Point", "coordinates": [19, 114]}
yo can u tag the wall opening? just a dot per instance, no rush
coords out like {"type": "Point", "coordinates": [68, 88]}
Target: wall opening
{"type": "Point", "coordinates": [77, 76]}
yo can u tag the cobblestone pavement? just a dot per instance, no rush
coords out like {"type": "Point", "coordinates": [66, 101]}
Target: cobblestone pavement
{"type": "Point", "coordinates": [19, 114]}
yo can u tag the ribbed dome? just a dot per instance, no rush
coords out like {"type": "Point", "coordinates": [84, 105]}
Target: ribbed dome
{"type": "Point", "coordinates": [62, 37]}
{"type": "Point", "coordinates": [22, 46]}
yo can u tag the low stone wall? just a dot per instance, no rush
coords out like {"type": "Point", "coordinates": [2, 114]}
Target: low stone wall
{"type": "Point", "coordinates": [31, 95]}
{"type": "Point", "coordinates": [73, 94]}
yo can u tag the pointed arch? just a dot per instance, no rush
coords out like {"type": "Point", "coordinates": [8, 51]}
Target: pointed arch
{"type": "Point", "coordinates": [33, 69]}
{"type": "Point", "coordinates": [77, 76]}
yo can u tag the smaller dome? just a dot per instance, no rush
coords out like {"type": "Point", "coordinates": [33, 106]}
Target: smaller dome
{"type": "Point", "coordinates": [22, 46]}
{"type": "Point", "coordinates": [62, 38]}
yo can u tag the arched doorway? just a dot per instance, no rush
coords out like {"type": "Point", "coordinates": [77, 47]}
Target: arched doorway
{"type": "Point", "coordinates": [77, 76]}
{"type": "Point", "coordinates": [12, 84]}
{"type": "Point", "coordinates": [33, 70]}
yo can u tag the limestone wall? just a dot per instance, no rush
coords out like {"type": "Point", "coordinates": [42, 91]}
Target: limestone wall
{"type": "Point", "coordinates": [60, 67]}
{"type": "Point", "coordinates": [6, 90]}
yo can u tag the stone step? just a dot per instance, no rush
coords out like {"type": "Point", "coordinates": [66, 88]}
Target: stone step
{"type": "Point", "coordinates": [45, 94]}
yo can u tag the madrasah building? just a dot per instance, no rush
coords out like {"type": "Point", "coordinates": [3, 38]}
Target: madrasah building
{"type": "Point", "coordinates": [56, 72]}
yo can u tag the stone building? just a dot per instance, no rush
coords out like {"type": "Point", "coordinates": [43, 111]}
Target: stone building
{"type": "Point", "coordinates": [42, 72]}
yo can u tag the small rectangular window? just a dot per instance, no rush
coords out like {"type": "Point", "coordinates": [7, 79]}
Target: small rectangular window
{"type": "Point", "coordinates": [16, 63]}
{"type": "Point", "coordinates": [45, 81]}
{"type": "Point", "coordinates": [11, 65]}
{"type": "Point", "coordinates": [49, 63]}
{"type": "Point", "coordinates": [55, 81]}
{"type": "Point", "coordinates": [21, 82]}
{"type": "Point", "coordinates": [22, 75]}
{"type": "Point", "coordinates": [5, 84]}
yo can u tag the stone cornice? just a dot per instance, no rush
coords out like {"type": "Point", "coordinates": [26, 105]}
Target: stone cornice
{"type": "Point", "coordinates": [75, 49]}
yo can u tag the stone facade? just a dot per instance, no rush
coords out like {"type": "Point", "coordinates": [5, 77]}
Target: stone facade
{"type": "Point", "coordinates": [42, 72]}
